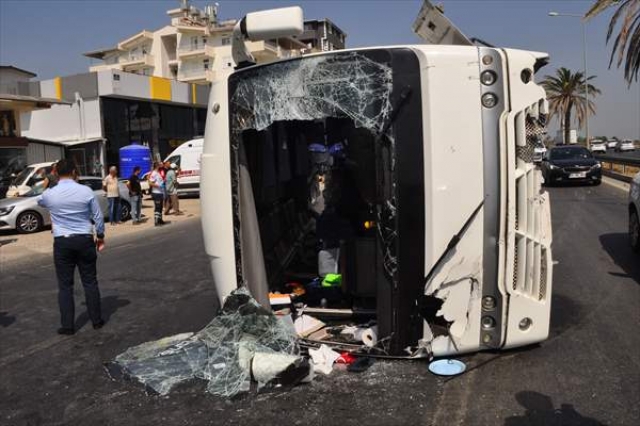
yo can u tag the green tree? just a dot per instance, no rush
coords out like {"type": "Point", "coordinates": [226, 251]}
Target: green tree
{"type": "Point", "coordinates": [627, 43]}
{"type": "Point", "coordinates": [566, 93]}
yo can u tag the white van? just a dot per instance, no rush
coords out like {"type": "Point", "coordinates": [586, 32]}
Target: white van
{"type": "Point", "coordinates": [187, 157]}
{"type": "Point", "coordinates": [27, 178]}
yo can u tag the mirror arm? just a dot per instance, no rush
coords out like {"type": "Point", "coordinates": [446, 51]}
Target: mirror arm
{"type": "Point", "coordinates": [241, 55]}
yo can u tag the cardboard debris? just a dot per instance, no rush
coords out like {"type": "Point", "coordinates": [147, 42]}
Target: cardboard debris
{"type": "Point", "coordinates": [305, 325]}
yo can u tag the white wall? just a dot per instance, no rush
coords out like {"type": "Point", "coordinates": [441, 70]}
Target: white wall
{"type": "Point", "coordinates": [62, 122]}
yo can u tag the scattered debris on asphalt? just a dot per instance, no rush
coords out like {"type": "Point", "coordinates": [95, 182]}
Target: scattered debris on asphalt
{"type": "Point", "coordinates": [245, 343]}
{"type": "Point", "coordinates": [247, 348]}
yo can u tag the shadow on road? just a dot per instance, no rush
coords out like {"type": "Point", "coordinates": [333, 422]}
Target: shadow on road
{"type": "Point", "coordinates": [539, 411]}
{"type": "Point", "coordinates": [110, 305]}
{"type": "Point", "coordinates": [6, 320]}
{"type": "Point", "coordinates": [618, 248]}
{"type": "Point", "coordinates": [565, 312]}
{"type": "Point", "coordinates": [7, 241]}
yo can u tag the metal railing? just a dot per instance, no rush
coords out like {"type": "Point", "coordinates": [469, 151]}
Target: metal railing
{"type": "Point", "coordinates": [619, 167]}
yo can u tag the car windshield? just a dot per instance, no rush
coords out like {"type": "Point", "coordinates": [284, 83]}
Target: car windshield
{"type": "Point", "coordinates": [35, 190]}
{"type": "Point", "coordinates": [23, 176]}
{"type": "Point", "coordinates": [570, 154]}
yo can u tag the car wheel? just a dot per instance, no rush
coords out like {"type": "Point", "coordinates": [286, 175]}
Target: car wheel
{"type": "Point", "coordinates": [634, 230]}
{"type": "Point", "coordinates": [125, 211]}
{"type": "Point", "coordinates": [28, 222]}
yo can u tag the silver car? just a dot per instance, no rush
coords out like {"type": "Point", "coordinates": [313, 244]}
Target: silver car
{"type": "Point", "coordinates": [634, 213]}
{"type": "Point", "coordinates": [23, 213]}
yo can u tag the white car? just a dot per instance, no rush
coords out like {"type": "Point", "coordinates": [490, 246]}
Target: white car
{"type": "Point", "coordinates": [625, 146]}
{"type": "Point", "coordinates": [599, 146]}
{"type": "Point", "coordinates": [538, 152]}
{"type": "Point", "coordinates": [634, 213]}
{"type": "Point", "coordinates": [23, 213]}
{"type": "Point", "coordinates": [29, 177]}
{"type": "Point", "coordinates": [612, 143]}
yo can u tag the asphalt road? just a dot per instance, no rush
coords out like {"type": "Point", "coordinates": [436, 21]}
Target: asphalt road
{"type": "Point", "coordinates": [158, 283]}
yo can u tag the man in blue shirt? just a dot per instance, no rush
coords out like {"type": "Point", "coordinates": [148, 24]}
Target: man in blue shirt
{"type": "Point", "coordinates": [74, 214]}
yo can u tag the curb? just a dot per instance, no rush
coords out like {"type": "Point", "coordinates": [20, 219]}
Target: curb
{"type": "Point", "coordinates": [622, 186]}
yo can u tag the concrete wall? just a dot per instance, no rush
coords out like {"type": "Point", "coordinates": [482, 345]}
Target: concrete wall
{"type": "Point", "coordinates": [64, 122]}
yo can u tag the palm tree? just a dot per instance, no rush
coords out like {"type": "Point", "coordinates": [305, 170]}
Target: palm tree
{"type": "Point", "coordinates": [566, 92]}
{"type": "Point", "coordinates": [628, 38]}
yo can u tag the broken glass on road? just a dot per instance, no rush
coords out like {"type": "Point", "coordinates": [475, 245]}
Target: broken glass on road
{"type": "Point", "coordinates": [244, 343]}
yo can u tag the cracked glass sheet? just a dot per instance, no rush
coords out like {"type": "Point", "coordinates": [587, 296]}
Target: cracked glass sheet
{"type": "Point", "coordinates": [338, 85]}
{"type": "Point", "coordinates": [342, 85]}
{"type": "Point", "coordinates": [221, 353]}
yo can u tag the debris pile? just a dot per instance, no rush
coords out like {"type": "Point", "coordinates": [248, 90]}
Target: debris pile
{"type": "Point", "coordinates": [245, 347]}
{"type": "Point", "coordinates": [244, 344]}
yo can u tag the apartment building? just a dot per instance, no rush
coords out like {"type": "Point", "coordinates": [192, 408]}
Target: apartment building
{"type": "Point", "coordinates": [322, 36]}
{"type": "Point", "coordinates": [194, 48]}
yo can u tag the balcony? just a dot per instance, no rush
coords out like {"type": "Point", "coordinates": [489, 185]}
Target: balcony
{"type": "Point", "coordinates": [103, 67]}
{"type": "Point", "coordinates": [136, 61]}
{"type": "Point", "coordinates": [195, 51]}
{"type": "Point", "coordinates": [195, 75]}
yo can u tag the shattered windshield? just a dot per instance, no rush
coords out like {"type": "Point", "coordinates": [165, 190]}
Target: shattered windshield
{"type": "Point", "coordinates": [350, 84]}
{"type": "Point", "coordinates": [355, 87]}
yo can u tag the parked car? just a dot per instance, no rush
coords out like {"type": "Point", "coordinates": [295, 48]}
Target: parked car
{"type": "Point", "coordinates": [599, 146]}
{"type": "Point", "coordinates": [612, 143]}
{"type": "Point", "coordinates": [570, 164]}
{"type": "Point", "coordinates": [634, 213]}
{"type": "Point", "coordinates": [27, 178]}
{"type": "Point", "coordinates": [23, 213]}
{"type": "Point", "coordinates": [625, 145]}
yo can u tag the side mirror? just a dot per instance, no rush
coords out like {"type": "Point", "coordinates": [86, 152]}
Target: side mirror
{"type": "Point", "coordinates": [274, 23]}
{"type": "Point", "coordinates": [264, 25]}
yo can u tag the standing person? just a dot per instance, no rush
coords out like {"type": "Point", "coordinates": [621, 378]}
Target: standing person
{"type": "Point", "coordinates": [51, 178]}
{"type": "Point", "coordinates": [135, 195]}
{"type": "Point", "coordinates": [110, 184]}
{"type": "Point", "coordinates": [74, 213]}
{"type": "Point", "coordinates": [166, 166]}
{"type": "Point", "coordinates": [171, 182]}
{"type": "Point", "coordinates": [156, 182]}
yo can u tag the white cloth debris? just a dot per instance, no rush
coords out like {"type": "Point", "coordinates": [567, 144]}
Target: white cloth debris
{"type": "Point", "coordinates": [323, 359]}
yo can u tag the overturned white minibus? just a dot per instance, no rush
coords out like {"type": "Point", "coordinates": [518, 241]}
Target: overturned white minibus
{"type": "Point", "coordinates": [407, 171]}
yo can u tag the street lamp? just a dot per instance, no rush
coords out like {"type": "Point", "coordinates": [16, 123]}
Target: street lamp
{"type": "Point", "coordinates": [586, 75]}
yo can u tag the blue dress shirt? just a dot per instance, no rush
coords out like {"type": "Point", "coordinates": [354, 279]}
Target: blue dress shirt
{"type": "Point", "coordinates": [73, 207]}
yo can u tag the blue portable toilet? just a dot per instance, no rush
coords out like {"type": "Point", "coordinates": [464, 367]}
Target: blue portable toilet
{"type": "Point", "coordinates": [134, 155]}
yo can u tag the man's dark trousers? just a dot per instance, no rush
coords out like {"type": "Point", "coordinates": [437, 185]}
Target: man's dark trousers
{"type": "Point", "coordinates": [69, 252]}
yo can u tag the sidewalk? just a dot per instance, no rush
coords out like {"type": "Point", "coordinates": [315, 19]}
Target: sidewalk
{"type": "Point", "coordinates": [14, 246]}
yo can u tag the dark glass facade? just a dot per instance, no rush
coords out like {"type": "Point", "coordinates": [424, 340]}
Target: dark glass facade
{"type": "Point", "coordinates": [160, 126]}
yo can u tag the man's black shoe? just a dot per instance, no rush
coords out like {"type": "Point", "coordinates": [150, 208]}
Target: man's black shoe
{"type": "Point", "coordinates": [98, 325]}
{"type": "Point", "coordinates": [66, 331]}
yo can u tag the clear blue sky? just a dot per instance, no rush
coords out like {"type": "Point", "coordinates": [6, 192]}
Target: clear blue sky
{"type": "Point", "coordinates": [48, 37]}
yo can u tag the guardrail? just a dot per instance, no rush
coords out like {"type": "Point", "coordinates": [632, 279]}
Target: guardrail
{"type": "Point", "coordinates": [618, 167]}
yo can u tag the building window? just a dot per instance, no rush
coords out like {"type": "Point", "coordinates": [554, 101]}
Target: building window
{"type": "Point", "coordinates": [7, 124]}
{"type": "Point", "coordinates": [308, 26]}
{"type": "Point", "coordinates": [194, 42]}
{"type": "Point", "coordinates": [226, 41]}
{"type": "Point", "coordinates": [205, 64]}
{"type": "Point", "coordinates": [204, 41]}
